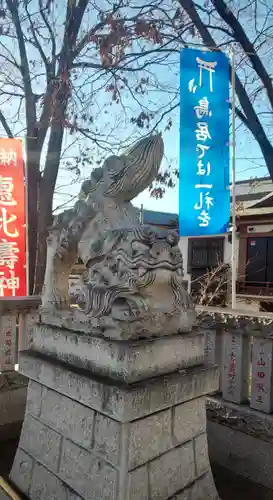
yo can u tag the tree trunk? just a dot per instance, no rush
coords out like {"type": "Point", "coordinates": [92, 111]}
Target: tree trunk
{"type": "Point", "coordinates": [267, 151]}
{"type": "Point", "coordinates": [44, 221]}
{"type": "Point", "coordinates": [33, 181]}
{"type": "Point", "coordinates": [46, 191]}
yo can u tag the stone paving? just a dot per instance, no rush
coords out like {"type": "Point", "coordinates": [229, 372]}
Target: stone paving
{"type": "Point", "coordinates": [3, 495]}
{"type": "Point", "coordinates": [7, 495]}
{"type": "Point", "coordinates": [233, 487]}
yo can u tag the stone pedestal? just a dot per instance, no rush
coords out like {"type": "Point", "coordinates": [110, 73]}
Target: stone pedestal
{"type": "Point", "coordinates": [120, 421]}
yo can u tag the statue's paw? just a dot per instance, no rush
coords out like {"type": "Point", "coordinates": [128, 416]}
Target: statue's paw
{"type": "Point", "coordinates": [63, 250]}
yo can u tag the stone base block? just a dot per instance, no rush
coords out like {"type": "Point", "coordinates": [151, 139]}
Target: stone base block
{"type": "Point", "coordinates": [128, 361]}
{"type": "Point", "coordinates": [88, 439]}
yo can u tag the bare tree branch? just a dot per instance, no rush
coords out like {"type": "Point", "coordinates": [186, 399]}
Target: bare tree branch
{"type": "Point", "coordinates": [13, 7]}
{"type": "Point", "coordinates": [251, 119]}
{"type": "Point", "coordinates": [240, 36]}
{"type": "Point", "coordinates": [5, 125]}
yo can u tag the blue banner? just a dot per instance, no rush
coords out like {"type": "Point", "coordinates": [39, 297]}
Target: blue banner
{"type": "Point", "coordinates": [204, 195]}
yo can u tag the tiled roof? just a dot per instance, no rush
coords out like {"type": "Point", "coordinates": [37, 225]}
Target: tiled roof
{"type": "Point", "coordinates": [265, 201]}
{"type": "Point", "coordinates": [160, 218]}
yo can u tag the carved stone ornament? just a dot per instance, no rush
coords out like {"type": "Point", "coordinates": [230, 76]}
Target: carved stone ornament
{"type": "Point", "coordinates": [133, 283]}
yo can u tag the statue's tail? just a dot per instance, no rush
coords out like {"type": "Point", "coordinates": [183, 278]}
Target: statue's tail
{"type": "Point", "coordinates": [142, 163]}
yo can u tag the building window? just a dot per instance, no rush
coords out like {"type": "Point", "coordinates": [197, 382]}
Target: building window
{"type": "Point", "coordinates": [259, 265]}
{"type": "Point", "coordinates": [205, 253]}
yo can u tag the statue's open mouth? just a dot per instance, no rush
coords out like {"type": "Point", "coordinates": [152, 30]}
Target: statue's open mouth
{"type": "Point", "coordinates": [145, 267]}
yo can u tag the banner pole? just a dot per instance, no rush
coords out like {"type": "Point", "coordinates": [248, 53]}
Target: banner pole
{"type": "Point", "coordinates": [26, 218]}
{"type": "Point", "coordinates": [233, 242]}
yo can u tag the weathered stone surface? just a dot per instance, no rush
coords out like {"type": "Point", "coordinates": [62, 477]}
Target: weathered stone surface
{"type": "Point", "coordinates": [201, 454]}
{"type": "Point", "coordinates": [12, 380]}
{"type": "Point", "coordinates": [122, 403]}
{"type": "Point", "coordinates": [185, 495]}
{"type": "Point", "coordinates": [240, 452]}
{"type": "Point", "coordinates": [34, 398]}
{"type": "Point", "coordinates": [213, 346]}
{"type": "Point", "coordinates": [189, 420]}
{"type": "Point", "coordinates": [235, 368]}
{"type": "Point", "coordinates": [185, 386]}
{"type": "Point", "coordinates": [19, 304]}
{"type": "Point", "coordinates": [240, 418]}
{"type": "Point", "coordinates": [138, 484]}
{"type": "Point", "coordinates": [13, 394]}
{"type": "Point", "coordinates": [127, 361]}
{"type": "Point", "coordinates": [204, 488]}
{"type": "Point", "coordinates": [262, 375]}
{"type": "Point", "coordinates": [135, 403]}
{"type": "Point", "coordinates": [90, 477]}
{"type": "Point", "coordinates": [41, 442]}
{"type": "Point", "coordinates": [68, 417]}
{"type": "Point", "coordinates": [149, 438]}
{"type": "Point", "coordinates": [8, 328]}
{"type": "Point", "coordinates": [107, 438]}
{"type": "Point", "coordinates": [63, 379]}
{"type": "Point", "coordinates": [3, 495]}
{"type": "Point", "coordinates": [208, 384]}
{"type": "Point", "coordinates": [99, 440]}
{"type": "Point", "coordinates": [72, 496]}
{"type": "Point", "coordinates": [27, 324]}
{"type": "Point", "coordinates": [172, 472]}
{"type": "Point", "coordinates": [12, 405]}
{"type": "Point", "coordinates": [21, 472]}
{"type": "Point", "coordinates": [45, 485]}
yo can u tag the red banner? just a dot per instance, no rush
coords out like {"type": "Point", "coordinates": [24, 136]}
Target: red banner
{"type": "Point", "coordinates": [13, 276]}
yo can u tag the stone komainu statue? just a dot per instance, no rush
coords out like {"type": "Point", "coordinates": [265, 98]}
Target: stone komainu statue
{"type": "Point", "coordinates": [132, 286]}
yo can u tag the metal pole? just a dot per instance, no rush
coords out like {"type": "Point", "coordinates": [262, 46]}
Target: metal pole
{"type": "Point", "coordinates": [141, 215]}
{"type": "Point", "coordinates": [26, 209]}
{"type": "Point", "coordinates": [233, 157]}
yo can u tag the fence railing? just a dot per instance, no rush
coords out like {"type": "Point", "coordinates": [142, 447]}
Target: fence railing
{"type": "Point", "coordinates": [17, 319]}
{"type": "Point", "coordinates": [242, 345]}
{"type": "Point", "coordinates": [261, 288]}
